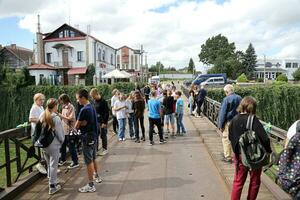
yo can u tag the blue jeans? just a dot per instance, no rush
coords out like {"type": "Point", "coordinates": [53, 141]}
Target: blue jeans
{"type": "Point", "coordinates": [191, 108]}
{"type": "Point", "coordinates": [122, 125]}
{"type": "Point", "coordinates": [131, 124]}
{"type": "Point", "coordinates": [179, 122]}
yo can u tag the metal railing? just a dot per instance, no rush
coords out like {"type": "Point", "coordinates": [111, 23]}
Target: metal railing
{"type": "Point", "coordinates": [20, 156]}
{"type": "Point", "coordinates": [62, 64]}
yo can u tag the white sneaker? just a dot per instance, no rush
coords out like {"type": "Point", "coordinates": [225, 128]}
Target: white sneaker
{"type": "Point", "coordinates": [124, 139]}
{"type": "Point", "coordinates": [87, 188]}
{"type": "Point", "coordinates": [120, 139]}
{"type": "Point", "coordinates": [41, 168]}
{"type": "Point", "coordinates": [58, 170]}
{"type": "Point", "coordinates": [98, 180]}
{"type": "Point", "coordinates": [103, 153]}
{"type": "Point", "coordinates": [54, 190]}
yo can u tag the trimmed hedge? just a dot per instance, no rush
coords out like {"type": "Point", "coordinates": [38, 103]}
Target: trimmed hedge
{"type": "Point", "coordinates": [15, 103]}
{"type": "Point", "coordinates": [278, 104]}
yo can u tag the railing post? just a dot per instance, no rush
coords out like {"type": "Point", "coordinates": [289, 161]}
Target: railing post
{"type": "Point", "coordinates": [7, 162]}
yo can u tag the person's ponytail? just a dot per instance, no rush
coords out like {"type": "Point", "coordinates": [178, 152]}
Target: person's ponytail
{"type": "Point", "coordinates": [47, 118]}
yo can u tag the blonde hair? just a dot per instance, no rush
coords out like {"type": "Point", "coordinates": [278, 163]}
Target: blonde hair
{"type": "Point", "coordinates": [47, 118]}
{"type": "Point", "coordinates": [114, 91]}
{"type": "Point", "coordinates": [94, 91]}
{"type": "Point", "coordinates": [38, 96]}
{"type": "Point", "coordinates": [229, 89]}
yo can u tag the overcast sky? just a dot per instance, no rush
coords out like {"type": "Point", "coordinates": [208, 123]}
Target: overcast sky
{"type": "Point", "coordinates": [171, 31]}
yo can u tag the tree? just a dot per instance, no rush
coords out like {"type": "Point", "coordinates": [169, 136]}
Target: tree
{"type": "Point", "coordinates": [242, 78]}
{"type": "Point", "coordinates": [217, 51]}
{"type": "Point", "coordinates": [29, 80]}
{"type": "Point", "coordinates": [296, 75]}
{"type": "Point", "coordinates": [191, 66]}
{"type": "Point", "coordinates": [249, 61]}
{"type": "Point", "coordinates": [282, 78]}
{"type": "Point", "coordinates": [89, 76]}
{"type": "Point", "coordinates": [157, 67]}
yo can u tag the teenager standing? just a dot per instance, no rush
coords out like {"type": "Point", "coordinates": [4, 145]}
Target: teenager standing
{"type": "Point", "coordinates": [87, 123]}
{"type": "Point", "coordinates": [139, 109]}
{"type": "Point", "coordinates": [130, 112]}
{"type": "Point", "coordinates": [114, 98]}
{"type": "Point", "coordinates": [179, 114]}
{"type": "Point", "coordinates": [120, 109]}
{"type": "Point", "coordinates": [169, 109]}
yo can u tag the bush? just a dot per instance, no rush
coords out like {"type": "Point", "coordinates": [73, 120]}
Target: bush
{"type": "Point", "coordinates": [260, 80]}
{"type": "Point", "coordinates": [296, 75]}
{"type": "Point", "coordinates": [278, 104]}
{"type": "Point", "coordinates": [16, 102]}
{"type": "Point", "coordinates": [242, 79]}
{"type": "Point", "coordinates": [282, 77]}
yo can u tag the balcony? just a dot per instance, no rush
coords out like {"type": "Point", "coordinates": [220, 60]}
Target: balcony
{"type": "Point", "coordinates": [63, 64]}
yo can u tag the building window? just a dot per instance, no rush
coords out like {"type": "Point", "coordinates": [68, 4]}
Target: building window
{"type": "Point", "coordinates": [72, 34]}
{"type": "Point", "coordinates": [67, 33]}
{"type": "Point", "coordinates": [79, 55]}
{"type": "Point", "coordinates": [295, 65]}
{"type": "Point", "coordinates": [111, 59]}
{"type": "Point", "coordinates": [103, 56]}
{"type": "Point", "coordinates": [48, 57]}
{"type": "Point", "coordinates": [99, 54]}
{"type": "Point", "coordinates": [61, 34]}
{"type": "Point", "coordinates": [288, 65]}
{"type": "Point", "coordinates": [41, 78]}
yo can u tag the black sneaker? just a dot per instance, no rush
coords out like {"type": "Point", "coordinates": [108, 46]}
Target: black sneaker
{"type": "Point", "coordinates": [151, 143]}
{"type": "Point", "coordinates": [143, 139]}
{"type": "Point", "coordinates": [73, 165]}
{"type": "Point", "coordinates": [61, 163]}
{"type": "Point", "coordinates": [162, 141]}
{"type": "Point", "coordinates": [137, 141]}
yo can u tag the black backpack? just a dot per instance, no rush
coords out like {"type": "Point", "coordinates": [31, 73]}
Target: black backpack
{"type": "Point", "coordinates": [254, 156]}
{"type": "Point", "coordinates": [289, 166]}
{"type": "Point", "coordinates": [43, 135]}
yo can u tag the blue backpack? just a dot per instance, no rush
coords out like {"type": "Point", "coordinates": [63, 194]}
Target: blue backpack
{"type": "Point", "coordinates": [289, 166]}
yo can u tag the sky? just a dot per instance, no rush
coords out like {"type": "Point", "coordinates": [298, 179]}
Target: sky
{"type": "Point", "coordinates": [171, 31]}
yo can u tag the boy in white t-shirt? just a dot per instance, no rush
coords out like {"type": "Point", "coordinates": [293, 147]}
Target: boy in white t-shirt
{"type": "Point", "coordinates": [120, 108]}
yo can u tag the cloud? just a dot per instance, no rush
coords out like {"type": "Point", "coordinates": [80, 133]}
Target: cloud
{"type": "Point", "coordinates": [172, 31]}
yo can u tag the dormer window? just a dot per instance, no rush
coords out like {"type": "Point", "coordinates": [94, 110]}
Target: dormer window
{"type": "Point", "coordinates": [67, 33]}
{"type": "Point", "coordinates": [61, 34]}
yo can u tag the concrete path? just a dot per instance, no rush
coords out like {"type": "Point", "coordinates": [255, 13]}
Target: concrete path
{"type": "Point", "coordinates": [181, 169]}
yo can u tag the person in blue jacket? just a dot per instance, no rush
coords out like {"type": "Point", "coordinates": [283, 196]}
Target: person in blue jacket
{"type": "Point", "coordinates": [227, 112]}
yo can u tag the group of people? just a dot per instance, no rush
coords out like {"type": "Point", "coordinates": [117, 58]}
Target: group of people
{"type": "Point", "coordinates": [79, 127]}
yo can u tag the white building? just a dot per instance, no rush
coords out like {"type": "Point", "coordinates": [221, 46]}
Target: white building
{"type": "Point", "coordinates": [64, 55]}
{"type": "Point", "coordinates": [274, 67]}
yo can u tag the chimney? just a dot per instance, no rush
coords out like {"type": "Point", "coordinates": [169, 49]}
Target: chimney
{"type": "Point", "coordinates": [13, 46]}
{"type": "Point", "coordinates": [39, 44]}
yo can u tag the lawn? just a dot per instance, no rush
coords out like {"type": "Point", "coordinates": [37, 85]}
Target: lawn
{"type": "Point", "coordinates": [14, 164]}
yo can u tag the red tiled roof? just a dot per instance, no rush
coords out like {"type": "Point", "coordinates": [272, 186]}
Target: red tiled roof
{"type": "Point", "coordinates": [41, 67]}
{"type": "Point", "coordinates": [77, 70]}
{"type": "Point", "coordinates": [64, 39]}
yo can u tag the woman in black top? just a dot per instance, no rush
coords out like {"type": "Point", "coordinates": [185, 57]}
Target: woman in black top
{"type": "Point", "coordinates": [236, 128]}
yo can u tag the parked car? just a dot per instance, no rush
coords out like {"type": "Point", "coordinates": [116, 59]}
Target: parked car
{"type": "Point", "coordinates": [214, 81]}
{"type": "Point", "coordinates": [203, 77]}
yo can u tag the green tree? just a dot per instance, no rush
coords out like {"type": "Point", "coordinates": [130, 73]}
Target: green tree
{"type": "Point", "coordinates": [296, 75]}
{"type": "Point", "coordinates": [157, 67]}
{"type": "Point", "coordinates": [191, 66]}
{"type": "Point", "coordinates": [89, 76]}
{"type": "Point", "coordinates": [282, 78]}
{"type": "Point", "coordinates": [242, 78]}
{"type": "Point", "coordinates": [249, 61]}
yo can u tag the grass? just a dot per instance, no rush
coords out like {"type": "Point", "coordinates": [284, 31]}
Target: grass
{"type": "Point", "coordinates": [272, 171]}
{"type": "Point", "coordinates": [14, 172]}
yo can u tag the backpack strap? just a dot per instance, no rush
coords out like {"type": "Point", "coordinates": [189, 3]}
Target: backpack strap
{"type": "Point", "coordinates": [249, 125]}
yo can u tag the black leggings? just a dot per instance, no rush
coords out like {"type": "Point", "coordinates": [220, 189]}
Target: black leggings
{"type": "Point", "coordinates": [156, 122]}
{"type": "Point", "coordinates": [199, 105]}
{"type": "Point", "coordinates": [115, 124]}
{"type": "Point", "coordinates": [139, 121]}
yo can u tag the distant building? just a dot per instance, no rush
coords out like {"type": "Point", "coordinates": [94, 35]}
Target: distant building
{"type": "Point", "coordinates": [274, 67]}
{"type": "Point", "coordinates": [64, 55]}
{"type": "Point", "coordinates": [15, 57]}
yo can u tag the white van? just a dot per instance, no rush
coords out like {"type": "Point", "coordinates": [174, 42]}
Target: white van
{"type": "Point", "coordinates": [154, 80]}
{"type": "Point", "coordinates": [214, 81]}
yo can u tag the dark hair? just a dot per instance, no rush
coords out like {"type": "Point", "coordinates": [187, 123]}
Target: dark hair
{"type": "Point", "coordinates": [137, 96]}
{"type": "Point", "coordinates": [178, 93]}
{"type": "Point", "coordinates": [165, 92]}
{"type": "Point", "coordinates": [153, 93]}
{"type": "Point", "coordinates": [64, 98]}
{"type": "Point", "coordinates": [192, 92]}
{"type": "Point", "coordinates": [83, 93]}
{"type": "Point", "coordinates": [247, 105]}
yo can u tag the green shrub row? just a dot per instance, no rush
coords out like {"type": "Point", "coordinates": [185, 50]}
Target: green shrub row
{"type": "Point", "coordinates": [15, 103]}
{"type": "Point", "coordinates": [277, 104]}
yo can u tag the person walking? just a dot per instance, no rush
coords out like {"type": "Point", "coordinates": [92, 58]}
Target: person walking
{"type": "Point", "coordinates": [155, 118]}
{"type": "Point", "coordinates": [102, 110]}
{"type": "Point", "coordinates": [68, 120]}
{"type": "Point", "coordinates": [50, 119]}
{"type": "Point", "coordinates": [237, 128]}
{"type": "Point", "coordinates": [34, 115]}
{"type": "Point", "coordinates": [139, 109]}
{"type": "Point", "coordinates": [191, 101]}
{"type": "Point", "coordinates": [200, 99]}
{"type": "Point", "coordinates": [226, 114]}
{"type": "Point", "coordinates": [87, 123]}
{"type": "Point", "coordinates": [120, 109]}
{"type": "Point", "coordinates": [147, 91]}
{"type": "Point", "coordinates": [114, 98]}
{"type": "Point", "coordinates": [130, 112]}
{"type": "Point", "coordinates": [169, 113]}
{"type": "Point", "coordinates": [179, 114]}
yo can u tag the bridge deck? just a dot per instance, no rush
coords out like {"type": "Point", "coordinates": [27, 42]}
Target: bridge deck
{"type": "Point", "coordinates": [183, 168]}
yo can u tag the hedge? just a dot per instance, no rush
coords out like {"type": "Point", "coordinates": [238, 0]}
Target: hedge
{"type": "Point", "coordinates": [15, 103]}
{"type": "Point", "coordinates": [278, 104]}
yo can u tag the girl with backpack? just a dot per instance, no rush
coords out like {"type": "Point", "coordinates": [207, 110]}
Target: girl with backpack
{"type": "Point", "coordinates": [237, 128]}
{"type": "Point", "coordinates": [50, 119]}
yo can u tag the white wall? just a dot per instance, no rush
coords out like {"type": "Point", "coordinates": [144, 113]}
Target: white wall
{"type": "Point", "coordinates": [131, 53]}
{"type": "Point", "coordinates": [56, 54]}
{"type": "Point", "coordinates": [46, 73]}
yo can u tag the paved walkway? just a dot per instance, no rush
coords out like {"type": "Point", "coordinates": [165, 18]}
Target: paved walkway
{"type": "Point", "coordinates": [180, 169]}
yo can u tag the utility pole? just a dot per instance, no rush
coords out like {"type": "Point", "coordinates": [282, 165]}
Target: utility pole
{"type": "Point", "coordinates": [264, 68]}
